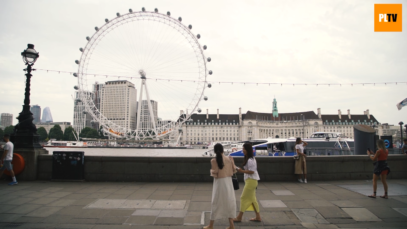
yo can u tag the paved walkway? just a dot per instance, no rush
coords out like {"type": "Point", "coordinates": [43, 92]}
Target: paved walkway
{"type": "Point", "coordinates": [337, 204]}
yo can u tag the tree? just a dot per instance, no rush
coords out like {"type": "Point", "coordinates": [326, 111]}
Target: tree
{"type": "Point", "coordinates": [56, 133]}
{"type": "Point", "coordinates": [1, 134]}
{"type": "Point", "coordinates": [69, 134]}
{"type": "Point", "coordinates": [42, 132]}
{"type": "Point", "coordinates": [92, 133]}
{"type": "Point", "coordinates": [9, 130]}
{"type": "Point", "coordinates": [84, 132]}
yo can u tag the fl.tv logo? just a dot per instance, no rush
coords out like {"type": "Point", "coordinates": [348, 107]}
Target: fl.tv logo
{"type": "Point", "coordinates": [388, 18]}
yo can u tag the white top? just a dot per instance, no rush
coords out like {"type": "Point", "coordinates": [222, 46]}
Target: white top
{"type": "Point", "coordinates": [300, 147]}
{"type": "Point", "coordinates": [252, 166]}
{"type": "Point", "coordinates": [10, 148]}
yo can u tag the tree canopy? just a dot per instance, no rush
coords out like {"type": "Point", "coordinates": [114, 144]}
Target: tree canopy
{"type": "Point", "coordinates": [88, 132]}
{"type": "Point", "coordinates": [56, 133]}
{"type": "Point", "coordinates": [42, 132]}
{"type": "Point", "coordinates": [9, 130]}
{"type": "Point", "coordinates": [1, 134]}
{"type": "Point", "coordinates": [69, 134]}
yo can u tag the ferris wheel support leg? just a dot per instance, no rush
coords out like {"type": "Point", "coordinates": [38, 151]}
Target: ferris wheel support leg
{"type": "Point", "coordinates": [140, 99]}
{"type": "Point", "coordinates": [150, 109]}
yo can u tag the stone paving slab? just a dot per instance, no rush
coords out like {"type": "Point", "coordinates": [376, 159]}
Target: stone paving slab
{"type": "Point", "coordinates": [282, 192]}
{"type": "Point", "coordinates": [309, 216]}
{"type": "Point", "coordinates": [272, 204]}
{"type": "Point", "coordinates": [401, 210]}
{"type": "Point", "coordinates": [361, 214]}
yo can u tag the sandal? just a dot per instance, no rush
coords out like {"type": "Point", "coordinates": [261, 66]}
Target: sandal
{"type": "Point", "coordinates": [236, 220]}
{"type": "Point", "coordinates": [372, 196]}
{"type": "Point", "coordinates": [384, 196]}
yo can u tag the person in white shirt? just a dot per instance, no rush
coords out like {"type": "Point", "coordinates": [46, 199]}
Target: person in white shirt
{"type": "Point", "coordinates": [248, 200]}
{"type": "Point", "coordinates": [7, 158]}
{"type": "Point", "coordinates": [301, 163]}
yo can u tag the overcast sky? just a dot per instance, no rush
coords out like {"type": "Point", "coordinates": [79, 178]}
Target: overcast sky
{"type": "Point", "coordinates": [256, 41]}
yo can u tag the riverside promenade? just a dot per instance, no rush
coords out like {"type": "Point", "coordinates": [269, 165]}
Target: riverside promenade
{"type": "Point", "coordinates": [318, 204]}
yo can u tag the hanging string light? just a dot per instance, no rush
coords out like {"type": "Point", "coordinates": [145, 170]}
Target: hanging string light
{"type": "Point", "coordinates": [244, 83]}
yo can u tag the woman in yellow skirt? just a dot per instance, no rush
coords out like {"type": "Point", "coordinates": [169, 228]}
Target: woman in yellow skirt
{"type": "Point", "coordinates": [248, 199]}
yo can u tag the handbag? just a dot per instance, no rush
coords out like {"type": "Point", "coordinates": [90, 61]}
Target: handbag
{"type": "Point", "coordinates": [235, 182]}
{"type": "Point", "coordinates": [296, 157]}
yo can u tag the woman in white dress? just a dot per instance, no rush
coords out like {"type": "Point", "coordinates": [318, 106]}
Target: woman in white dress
{"type": "Point", "coordinates": [223, 194]}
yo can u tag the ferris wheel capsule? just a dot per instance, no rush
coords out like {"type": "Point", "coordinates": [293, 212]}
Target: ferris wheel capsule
{"type": "Point", "coordinates": [168, 13]}
{"type": "Point", "coordinates": [143, 9]}
{"type": "Point", "coordinates": [77, 61]}
{"type": "Point", "coordinates": [106, 20]}
{"type": "Point", "coordinates": [198, 36]}
{"type": "Point", "coordinates": [199, 110]}
{"type": "Point", "coordinates": [205, 47]}
{"type": "Point", "coordinates": [88, 38]}
{"type": "Point", "coordinates": [180, 19]}
{"type": "Point", "coordinates": [76, 75]}
{"type": "Point", "coordinates": [96, 28]}
{"type": "Point", "coordinates": [209, 85]}
{"type": "Point", "coordinates": [76, 87]}
{"type": "Point", "coordinates": [209, 59]}
{"type": "Point", "coordinates": [190, 26]}
{"type": "Point", "coordinates": [206, 98]}
{"type": "Point", "coordinates": [81, 49]}
{"type": "Point", "coordinates": [210, 72]}
{"type": "Point", "coordinates": [130, 11]}
{"type": "Point", "coordinates": [156, 10]}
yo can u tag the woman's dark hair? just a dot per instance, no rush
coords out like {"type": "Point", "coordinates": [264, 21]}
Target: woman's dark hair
{"type": "Point", "coordinates": [298, 141]}
{"type": "Point", "coordinates": [219, 159]}
{"type": "Point", "coordinates": [249, 152]}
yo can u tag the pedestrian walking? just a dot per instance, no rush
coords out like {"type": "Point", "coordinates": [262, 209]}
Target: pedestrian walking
{"type": "Point", "coordinates": [223, 193]}
{"type": "Point", "coordinates": [7, 158]}
{"type": "Point", "coordinates": [404, 148]}
{"type": "Point", "coordinates": [300, 162]}
{"type": "Point", "coordinates": [380, 167]}
{"type": "Point", "coordinates": [248, 200]}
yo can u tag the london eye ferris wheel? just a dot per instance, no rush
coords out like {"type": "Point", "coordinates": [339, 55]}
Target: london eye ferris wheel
{"type": "Point", "coordinates": [162, 59]}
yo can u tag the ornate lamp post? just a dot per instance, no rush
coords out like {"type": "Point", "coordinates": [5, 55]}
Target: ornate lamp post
{"type": "Point", "coordinates": [401, 131]}
{"type": "Point", "coordinates": [25, 132]}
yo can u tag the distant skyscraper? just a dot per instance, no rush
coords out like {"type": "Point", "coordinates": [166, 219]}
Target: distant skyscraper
{"type": "Point", "coordinates": [81, 118]}
{"type": "Point", "coordinates": [6, 119]}
{"type": "Point", "coordinates": [118, 103]}
{"type": "Point", "coordinates": [36, 110]}
{"type": "Point", "coordinates": [46, 115]}
{"type": "Point", "coordinates": [145, 118]}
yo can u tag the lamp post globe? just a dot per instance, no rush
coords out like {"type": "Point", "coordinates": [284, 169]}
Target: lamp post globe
{"type": "Point", "coordinates": [30, 55]}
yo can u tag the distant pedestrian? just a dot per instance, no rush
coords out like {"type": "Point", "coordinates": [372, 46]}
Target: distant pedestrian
{"type": "Point", "coordinates": [380, 167]}
{"type": "Point", "coordinates": [301, 162]}
{"type": "Point", "coordinates": [7, 158]}
{"type": "Point", "coordinates": [248, 200]}
{"type": "Point", "coordinates": [223, 193]}
{"type": "Point", "coordinates": [404, 148]}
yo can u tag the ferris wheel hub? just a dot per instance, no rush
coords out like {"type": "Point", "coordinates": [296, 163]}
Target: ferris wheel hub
{"type": "Point", "coordinates": [142, 74]}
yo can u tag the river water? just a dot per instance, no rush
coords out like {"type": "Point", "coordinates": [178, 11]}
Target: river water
{"type": "Point", "coordinates": [134, 152]}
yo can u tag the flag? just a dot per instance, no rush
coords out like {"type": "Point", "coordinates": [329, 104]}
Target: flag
{"type": "Point", "coordinates": [402, 104]}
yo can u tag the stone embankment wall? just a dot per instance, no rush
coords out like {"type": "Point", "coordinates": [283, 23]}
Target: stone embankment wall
{"type": "Point", "coordinates": [170, 169]}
